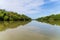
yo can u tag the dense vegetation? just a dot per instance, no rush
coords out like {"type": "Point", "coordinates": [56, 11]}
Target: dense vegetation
{"type": "Point", "coordinates": [50, 18]}
{"type": "Point", "coordinates": [12, 16]}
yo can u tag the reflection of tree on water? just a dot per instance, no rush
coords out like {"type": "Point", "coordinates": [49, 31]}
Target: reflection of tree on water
{"type": "Point", "coordinates": [52, 23]}
{"type": "Point", "coordinates": [11, 24]}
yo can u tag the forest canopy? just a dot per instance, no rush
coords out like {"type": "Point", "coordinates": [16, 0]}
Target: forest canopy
{"type": "Point", "coordinates": [12, 16]}
{"type": "Point", "coordinates": [50, 18]}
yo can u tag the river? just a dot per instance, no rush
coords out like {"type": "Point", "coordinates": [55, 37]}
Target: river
{"type": "Point", "coordinates": [33, 30]}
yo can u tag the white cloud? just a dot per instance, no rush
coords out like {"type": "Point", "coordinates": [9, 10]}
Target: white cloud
{"type": "Point", "coordinates": [21, 6]}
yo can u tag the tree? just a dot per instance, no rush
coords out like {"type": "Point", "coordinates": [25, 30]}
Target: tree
{"type": "Point", "coordinates": [9, 16]}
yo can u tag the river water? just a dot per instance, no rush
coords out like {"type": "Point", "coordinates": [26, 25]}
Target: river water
{"type": "Point", "coordinates": [31, 31]}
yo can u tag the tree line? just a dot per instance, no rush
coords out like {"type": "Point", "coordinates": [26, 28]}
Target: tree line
{"type": "Point", "coordinates": [12, 16]}
{"type": "Point", "coordinates": [50, 18]}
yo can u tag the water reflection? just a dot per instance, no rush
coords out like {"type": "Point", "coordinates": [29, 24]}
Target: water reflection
{"type": "Point", "coordinates": [11, 24]}
{"type": "Point", "coordinates": [32, 31]}
{"type": "Point", "coordinates": [52, 23]}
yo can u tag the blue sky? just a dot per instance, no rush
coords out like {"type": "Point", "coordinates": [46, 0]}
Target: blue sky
{"type": "Point", "coordinates": [32, 8]}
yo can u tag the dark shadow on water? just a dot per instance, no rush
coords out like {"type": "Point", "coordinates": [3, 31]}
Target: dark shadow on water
{"type": "Point", "coordinates": [11, 24]}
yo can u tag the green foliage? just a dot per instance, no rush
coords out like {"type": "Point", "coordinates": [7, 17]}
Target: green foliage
{"type": "Point", "coordinates": [12, 16]}
{"type": "Point", "coordinates": [5, 18]}
{"type": "Point", "coordinates": [50, 18]}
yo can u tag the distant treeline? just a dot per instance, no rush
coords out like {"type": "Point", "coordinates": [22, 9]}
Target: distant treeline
{"type": "Point", "coordinates": [51, 18]}
{"type": "Point", "coordinates": [12, 16]}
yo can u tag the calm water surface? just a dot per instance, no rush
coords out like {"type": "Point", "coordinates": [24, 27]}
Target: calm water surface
{"type": "Point", "coordinates": [29, 31]}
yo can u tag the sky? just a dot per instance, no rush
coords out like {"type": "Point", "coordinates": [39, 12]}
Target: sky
{"type": "Point", "coordinates": [32, 8]}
